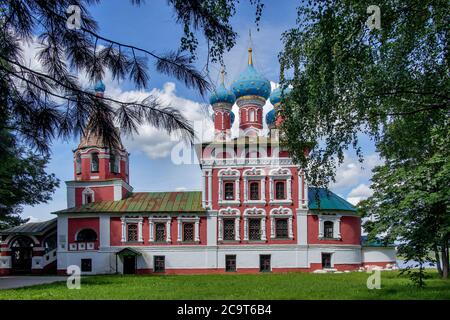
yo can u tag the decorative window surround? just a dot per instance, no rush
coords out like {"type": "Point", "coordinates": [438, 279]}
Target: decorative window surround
{"type": "Point", "coordinates": [229, 213]}
{"type": "Point", "coordinates": [195, 220]}
{"type": "Point", "coordinates": [127, 220]}
{"type": "Point", "coordinates": [281, 213]}
{"type": "Point", "coordinates": [229, 174]}
{"type": "Point", "coordinates": [280, 174]}
{"type": "Point", "coordinates": [85, 194]}
{"type": "Point", "coordinates": [336, 219]}
{"type": "Point", "coordinates": [302, 200]}
{"type": "Point", "coordinates": [254, 174]}
{"type": "Point", "coordinates": [159, 219]}
{"type": "Point", "coordinates": [255, 213]}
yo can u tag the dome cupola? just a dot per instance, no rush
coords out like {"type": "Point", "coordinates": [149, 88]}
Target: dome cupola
{"type": "Point", "coordinates": [251, 82]}
{"type": "Point", "coordinates": [271, 118]}
{"type": "Point", "coordinates": [222, 95]}
{"type": "Point", "coordinates": [99, 87]}
{"type": "Point", "coordinates": [275, 96]}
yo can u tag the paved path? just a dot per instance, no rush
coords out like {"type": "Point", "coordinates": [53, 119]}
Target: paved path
{"type": "Point", "coordinates": [10, 282]}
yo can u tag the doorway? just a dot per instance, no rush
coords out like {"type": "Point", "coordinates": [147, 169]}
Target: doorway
{"type": "Point", "coordinates": [129, 264]}
{"type": "Point", "coordinates": [264, 263]}
{"type": "Point", "coordinates": [21, 255]}
{"type": "Point", "coordinates": [326, 260]}
{"type": "Point", "coordinates": [159, 263]}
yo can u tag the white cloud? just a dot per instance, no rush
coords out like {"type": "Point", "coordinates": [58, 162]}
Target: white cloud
{"type": "Point", "coordinates": [361, 192]}
{"type": "Point", "coordinates": [33, 219]}
{"type": "Point", "coordinates": [352, 172]}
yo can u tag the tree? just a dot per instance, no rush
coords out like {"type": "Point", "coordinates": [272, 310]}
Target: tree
{"type": "Point", "coordinates": [37, 106]}
{"type": "Point", "coordinates": [411, 204]}
{"type": "Point", "coordinates": [348, 79]}
{"type": "Point", "coordinates": [51, 103]}
{"type": "Point", "coordinates": [391, 84]}
{"type": "Point", "coordinates": [23, 180]}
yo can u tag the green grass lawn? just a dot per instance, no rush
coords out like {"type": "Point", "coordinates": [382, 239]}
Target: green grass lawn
{"type": "Point", "coordinates": [236, 286]}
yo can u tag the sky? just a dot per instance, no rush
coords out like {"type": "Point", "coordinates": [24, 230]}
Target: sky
{"type": "Point", "coordinates": [152, 26]}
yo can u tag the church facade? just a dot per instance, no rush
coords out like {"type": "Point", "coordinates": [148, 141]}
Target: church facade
{"type": "Point", "coordinates": [255, 212]}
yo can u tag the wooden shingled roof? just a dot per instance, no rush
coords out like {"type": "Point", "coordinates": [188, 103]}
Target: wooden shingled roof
{"type": "Point", "coordinates": [141, 202]}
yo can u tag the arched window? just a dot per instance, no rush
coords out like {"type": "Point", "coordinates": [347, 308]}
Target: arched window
{"type": "Point", "coordinates": [254, 191]}
{"type": "Point", "coordinates": [88, 196]}
{"type": "Point", "coordinates": [94, 162]}
{"type": "Point", "coordinates": [114, 163]}
{"type": "Point", "coordinates": [328, 227]}
{"type": "Point", "coordinates": [229, 191]}
{"type": "Point", "coordinates": [86, 235]}
{"type": "Point", "coordinates": [50, 243]}
{"type": "Point", "coordinates": [78, 164]}
{"type": "Point", "coordinates": [279, 191]}
{"type": "Point", "coordinates": [252, 115]}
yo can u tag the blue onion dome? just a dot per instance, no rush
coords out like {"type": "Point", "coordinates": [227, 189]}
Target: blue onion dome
{"type": "Point", "coordinates": [275, 97]}
{"type": "Point", "coordinates": [251, 82]}
{"type": "Point", "coordinates": [222, 95]}
{"type": "Point", "coordinates": [271, 117]}
{"type": "Point", "coordinates": [99, 86]}
{"type": "Point", "coordinates": [232, 117]}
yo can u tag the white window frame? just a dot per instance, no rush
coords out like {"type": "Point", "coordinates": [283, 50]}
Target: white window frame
{"type": "Point", "coordinates": [229, 213]}
{"type": "Point", "coordinates": [255, 213]}
{"type": "Point", "coordinates": [281, 213]}
{"type": "Point", "coordinates": [229, 174]}
{"type": "Point", "coordinates": [336, 219]}
{"type": "Point", "coordinates": [86, 192]}
{"type": "Point", "coordinates": [152, 220]}
{"type": "Point", "coordinates": [188, 219]}
{"type": "Point", "coordinates": [283, 174]}
{"type": "Point", "coordinates": [255, 174]}
{"type": "Point", "coordinates": [131, 220]}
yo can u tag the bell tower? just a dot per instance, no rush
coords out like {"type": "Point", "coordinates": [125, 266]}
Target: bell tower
{"type": "Point", "coordinates": [251, 90]}
{"type": "Point", "coordinates": [222, 101]}
{"type": "Point", "coordinates": [101, 173]}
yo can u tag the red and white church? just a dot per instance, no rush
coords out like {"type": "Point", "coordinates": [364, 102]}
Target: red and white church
{"type": "Point", "coordinates": [255, 213]}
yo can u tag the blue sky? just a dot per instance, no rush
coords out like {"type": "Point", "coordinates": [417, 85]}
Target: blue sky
{"type": "Point", "coordinates": [152, 26]}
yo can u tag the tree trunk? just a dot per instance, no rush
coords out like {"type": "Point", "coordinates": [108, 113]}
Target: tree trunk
{"type": "Point", "coordinates": [445, 265]}
{"type": "Point", "coordinates": [438, 260]}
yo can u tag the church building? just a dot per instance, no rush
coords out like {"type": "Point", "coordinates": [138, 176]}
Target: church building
{"type": "Point", "coordinates": [255, 212]}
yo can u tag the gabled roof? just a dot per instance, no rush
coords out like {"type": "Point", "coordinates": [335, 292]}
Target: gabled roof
{"type": "Point", "coordinates": [128, 252]}
{"type": "Point", "coordinates": [139, 202]}
{"type": "Point", "coordinates": [327, 200]}
{"type": "Point", "coordinates": [31, 228]}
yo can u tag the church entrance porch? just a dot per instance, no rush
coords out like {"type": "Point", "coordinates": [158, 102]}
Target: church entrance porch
{"type": "Point", "coordinates": [128, 256]}
{"type": "Point", "coordinates": [21, 255]}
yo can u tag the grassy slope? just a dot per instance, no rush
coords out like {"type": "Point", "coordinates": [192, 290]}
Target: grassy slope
{"type": "Point", "coordinates": [234, 286]}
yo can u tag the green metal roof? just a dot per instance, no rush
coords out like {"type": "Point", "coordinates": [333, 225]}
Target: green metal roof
{"type": "Point", "coordinates": [146, 202]}
{"type": "Point", "coordinates": [327, 200]}
{"type": "Point", "coordinates": [31, 228]}
{"type": "Point", "coordinates": [365, 242]}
